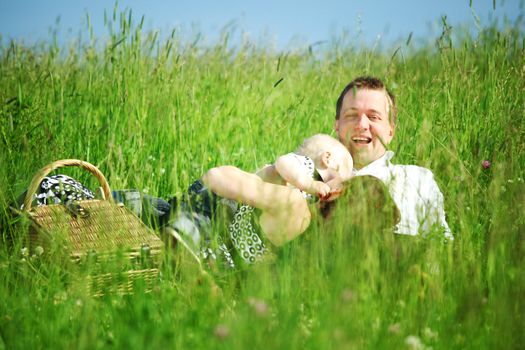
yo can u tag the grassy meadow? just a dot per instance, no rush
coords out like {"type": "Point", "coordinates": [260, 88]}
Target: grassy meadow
{"type": "Point", "coordinates": [154, 114]}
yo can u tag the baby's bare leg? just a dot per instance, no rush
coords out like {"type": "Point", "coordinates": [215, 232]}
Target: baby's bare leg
{"type": "Point", "coordinates": [285, 213]}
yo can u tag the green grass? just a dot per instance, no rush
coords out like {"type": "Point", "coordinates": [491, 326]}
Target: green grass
{"type": "Point", "coordinates": [154, 115]}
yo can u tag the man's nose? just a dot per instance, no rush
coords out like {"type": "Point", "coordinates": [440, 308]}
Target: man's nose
{"type": "Point", "coordinates": [363, 123]}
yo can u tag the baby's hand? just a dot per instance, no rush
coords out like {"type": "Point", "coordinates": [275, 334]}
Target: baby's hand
{"type": "Point", "coordinates": [334, 194]}
{"type": "Point", "coordinates": [336, 188]}
{"type": "Point", "coordinates": [319, 188]}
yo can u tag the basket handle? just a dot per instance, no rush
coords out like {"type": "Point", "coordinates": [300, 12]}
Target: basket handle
{"type": "Point", "coordinates": [37, 179]}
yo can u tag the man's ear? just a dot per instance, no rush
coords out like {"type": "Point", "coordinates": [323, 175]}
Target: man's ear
{"type": "Point", "coordinates": [326, 158]}
{"type": "Point", "coordinates": [336, 126]}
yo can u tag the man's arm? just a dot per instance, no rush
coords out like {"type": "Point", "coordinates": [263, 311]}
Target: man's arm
{"type": "Point", "coordinates": [268, 174]}
{"type": "Point", "coordinates": [435, 209]}
{"type": "Point", "coordinates": [289, 168]}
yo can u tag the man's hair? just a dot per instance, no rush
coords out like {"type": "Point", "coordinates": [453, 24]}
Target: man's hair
{"type": "Point", "coordinates": [370, 83]}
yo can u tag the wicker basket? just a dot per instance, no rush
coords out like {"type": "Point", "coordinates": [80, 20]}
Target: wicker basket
{"type": "Point", "coordinates": [98, 228]}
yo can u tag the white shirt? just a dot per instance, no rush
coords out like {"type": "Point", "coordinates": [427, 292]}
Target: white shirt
{"type": "Point", "coordinates": [415, 193]}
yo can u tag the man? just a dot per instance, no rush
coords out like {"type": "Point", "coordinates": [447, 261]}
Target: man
{"type": "Point", "coordinates": [365, 122]}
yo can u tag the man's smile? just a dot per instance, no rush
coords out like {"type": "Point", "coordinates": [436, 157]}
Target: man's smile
{"type": "Point", "coordinates": [364, 140]}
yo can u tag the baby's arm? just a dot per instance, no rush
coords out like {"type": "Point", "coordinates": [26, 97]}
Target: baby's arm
{"type": "Point", "coordinates": [289, 168]}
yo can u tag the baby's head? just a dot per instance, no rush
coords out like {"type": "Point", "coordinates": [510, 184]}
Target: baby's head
{"type": "Point", "coordinates": [331, 158]}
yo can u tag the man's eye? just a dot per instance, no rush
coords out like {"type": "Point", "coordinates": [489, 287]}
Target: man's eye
{"type": "Point", "coordinates": [374, 117]}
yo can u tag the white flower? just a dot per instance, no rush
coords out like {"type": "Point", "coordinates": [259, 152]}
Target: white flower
{"type": "Point", "coordinates": [348, 295]}
{"type": "Point", "coordinates": [394, 328]}
{"type": "Point", "coordinates": [429, 334]}
{"type": "Point", "coordinates": [259, 306]}
{"type": "Point", "coordinates": [414, 343]}
{"type": "Point", "coordinates": [221, 331]}
{"type": "Point", "coordinates": [39, 250]}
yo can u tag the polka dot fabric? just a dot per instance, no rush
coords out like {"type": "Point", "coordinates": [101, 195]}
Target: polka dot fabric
{"type": "Point", "coordinates": [61, 189]}
{"type": "Point", "coordinates": [244, 236]}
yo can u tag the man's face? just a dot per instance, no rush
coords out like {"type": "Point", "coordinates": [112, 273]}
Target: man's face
{"type": "Point", "coordinates": [364, 125]}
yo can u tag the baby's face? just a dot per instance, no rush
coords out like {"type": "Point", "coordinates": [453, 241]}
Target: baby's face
{"type": "Point", "coordinates": [336, 166]}
{"type": "Point", "coordinates": [343, 163]}
{"type": "Point", "coordinates": [338, 170]}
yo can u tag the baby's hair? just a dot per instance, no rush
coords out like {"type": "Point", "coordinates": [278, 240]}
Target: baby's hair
{"type": "Point", "coordinates": [314, 146]}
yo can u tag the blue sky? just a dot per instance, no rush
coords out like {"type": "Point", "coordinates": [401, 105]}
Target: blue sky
{"type": "Point", "coordinates": [281, 23]}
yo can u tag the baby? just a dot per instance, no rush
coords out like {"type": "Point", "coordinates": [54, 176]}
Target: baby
{"type": "Point", "coordinates": [317, 167]}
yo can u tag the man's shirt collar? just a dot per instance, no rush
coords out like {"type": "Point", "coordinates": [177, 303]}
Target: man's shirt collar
{"type": "Point", "coordinates": [381, 162]}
